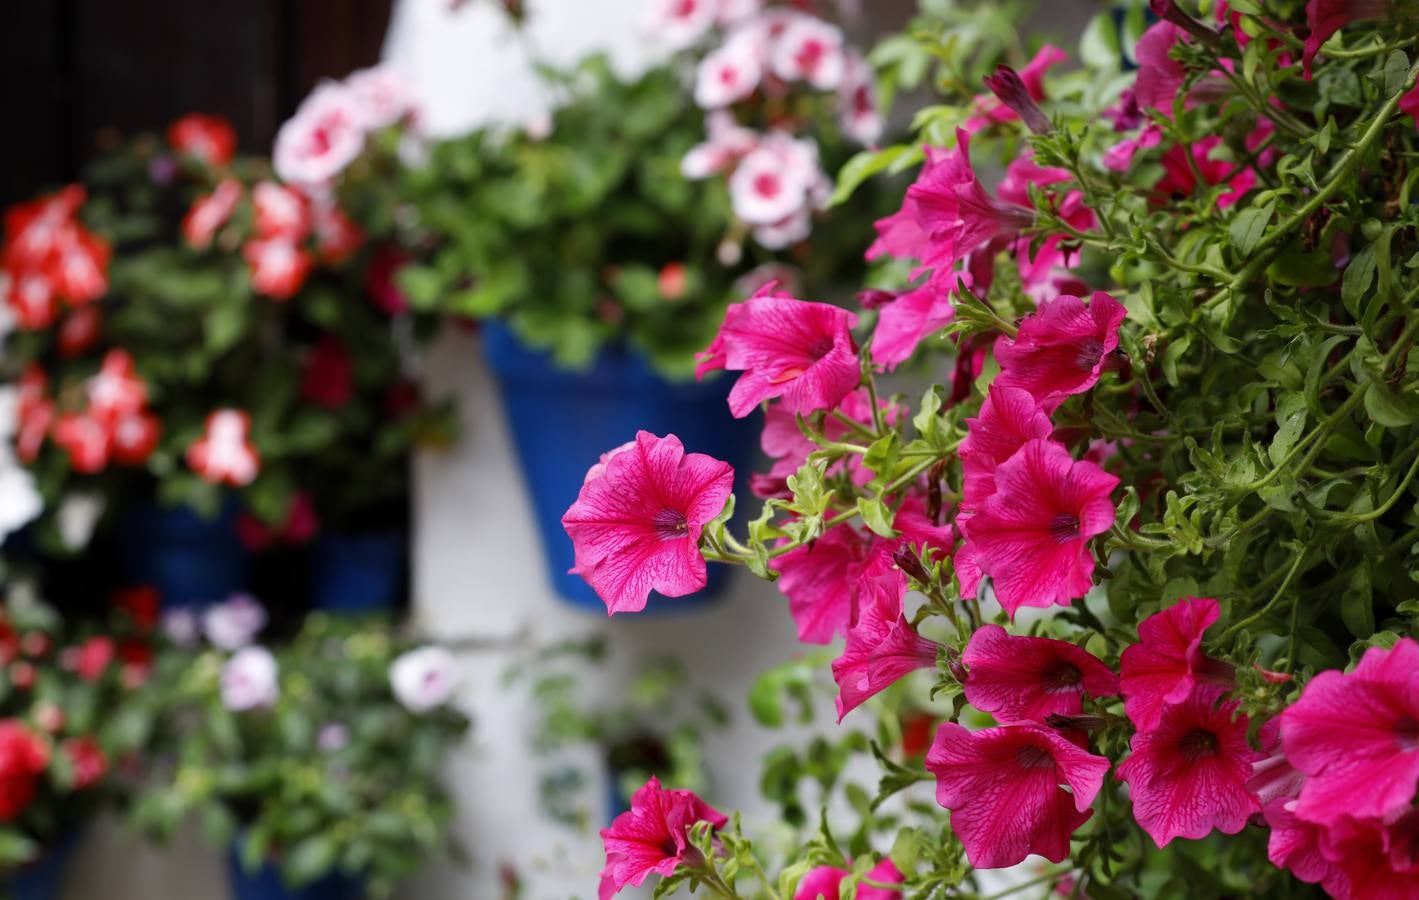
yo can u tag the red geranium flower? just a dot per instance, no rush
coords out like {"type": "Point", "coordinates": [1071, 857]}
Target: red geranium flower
{"type": "Point", "coordinates": [209, 139]}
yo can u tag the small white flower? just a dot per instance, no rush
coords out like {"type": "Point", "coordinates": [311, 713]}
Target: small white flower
{"type": "Point", "coordinates": [76, 517]}
{"type": "Point", "coordinates": [249, 679]}
{"type": "Point", "coordinates": [731, 72]}
{"type": "Point", "coordinates": [20, 500]}
{"type": "Point", "coordinates": [423, 679]}
{"type": "Point", "coordinates": [234, 623]}
{"type": "Point", "coordinates": [777, 180]}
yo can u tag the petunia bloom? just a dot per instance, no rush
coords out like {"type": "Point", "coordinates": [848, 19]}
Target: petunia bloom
{"type": "Point", "coordinates": [783, 442]}
{"type": "Point", "coordinates": [1167, 665]}
{"type": "Point", "coordinates": [881, 646]}
{"type": "Point", "coordinates": [1017, 678]}
{"type": "Point", "coordinates": [1061, 348]}
{"type": "Point", "coordinates": [1004, 787]}
{"type": "Point", "coordinates": [990, 109]}
{"type": "Point", "coordinates": [1326, 17]}
{"type": "Point", "coordinates": [1032, 535]}
{"type": "Point", "coordinates": [233, 623]}
{"type": "Point", "coordinates": [731, 72]}
{"type": "Point", "coordinates": [809, 49]}
{"type": "Point", "coordinates": [825, 882]}
{"type": "Point", "coordinates": [1356, 737]}
{"type": "Point", "coordinates": [1188, 775]}
{"type": "Point", "coordinates": [908, 320]}
{"type": "Point", "coordinates": [653, 836]}
{"type": "Point", "coordinates": [322, 138]}
{"type": "Point", "coordinates": [1008, 418]}
{"type": "Point", "coordinates": [799, 351]}
{"type": "Point", "coordinates": [636, 523]}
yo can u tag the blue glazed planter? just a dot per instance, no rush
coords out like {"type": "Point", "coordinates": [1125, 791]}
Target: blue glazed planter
{"type": "Point", "coordinates": [562, 421]}
{"type": "Point", "coordinates": [266, 884]}
{"type": "Point", "coordinates": [358, 574]}
{"type": "Point", "coordinates": [43, 879]}
{"type": "Point", "coordinates": [192, 561]}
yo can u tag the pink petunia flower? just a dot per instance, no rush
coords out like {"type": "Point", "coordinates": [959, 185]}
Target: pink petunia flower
{"type": "Point", "coordinates": [636, 523]}
{"type": "Point", "coordinates": [1409, 104]}
{"type": "Point", "coordinates": [1008, 418]}
{"type": "Point", "coordinates": [1180, 180]}
{"type": "Point", "coordinates": [1188, 775]}
{"type": "Point", "coordinates": [826, 579]}
{"type": "Point", "coordinates": [809, 49]}
{"type": "Point", "coordinates": [1160, 77]}
{"type": "Point", "coordinates": [783, 442]}
{"type": "Point", "coordinates": [250, 679]}
{"type": "Point", "coordinates": [881, 646]}
{"type": "Point", "coordinates": [653, 836]}
{"type": "Point", "coordinates": [1120, 156]}
{"type": "Point", "coordinates": [1372, 860]}
{"type": "Point", "coordinates": [1326, 17]}
{"type": "Point", "coordinates": [1356, 737]}
{"type": "Point", "coordinates": [1167, 665]}
{"type": "Point", "coordinates": [908, 320]}
{"type": "Point", "coordinates": [989, 110]}
{"type": "Point", "coordinates": [824, 883]}
{"type": "Point", "coordinates": [322, 138]}
{"type": "Point", "coordinates": [1061, 348]}
{"type": "Point", "coordinates": [800, 351]}
{"type": "Point", "coordinates": [382, 96]}
{"type": "Point", "coordinates": [1032, 535]}
{"type": "Point", "coordinates": [1004, 789]}
{"type": "Point", "coordinates": [1023, 679]}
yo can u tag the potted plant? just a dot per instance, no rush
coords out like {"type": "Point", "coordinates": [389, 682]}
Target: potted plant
{"type": "Point", "coordinates": [601, 246]}
{"type": "Point", "coordinates": [218, 380]}
{"type": "Point", "coordinates": [71, 716]}
{"type": "Point", "coordinates": [1150, 548]}
{"type": "Point", "coordinates": [316, 763]}
{"type": "Point", "coordinates": [658, 728]}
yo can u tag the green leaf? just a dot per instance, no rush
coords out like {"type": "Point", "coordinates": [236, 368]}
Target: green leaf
{"type": "Point", "coordinates": [877, 516]}
{"type": "Point", "coordinates": [1390, 409]}
{"type": "Point", "coordinates": [1357, 608]}
{"type": "Point", "coordinates": [1396, 73]}
{"type": "Point", "coordinates": [1291, 409]}
{"type": "Point", "coordinates": [1099, 46]}
{"type": "Point", "coordinates": [862, 167]}
{"type": "Point", "coordinates": [1359, 274]}
{"type": "Point", "coordinates": [309, 859]}
{"type": "Point", "coordinates": [1249, 226]}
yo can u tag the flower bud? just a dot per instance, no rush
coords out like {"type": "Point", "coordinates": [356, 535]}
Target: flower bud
{"type": "Point", "coordinates": [1169, 11]}
{"type": "Point", "coordinates": [907, 560]}
{"type": "Point", "coordinates": [1007, 85]}
{"type": "Point", "coordinates": [873, 298]}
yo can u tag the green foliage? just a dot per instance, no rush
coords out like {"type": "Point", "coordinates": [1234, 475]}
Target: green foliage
{"type": "Point", "coordinates": [372, 807]}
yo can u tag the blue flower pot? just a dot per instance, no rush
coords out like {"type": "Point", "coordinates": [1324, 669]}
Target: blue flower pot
{"type": "Point", "coordinates": [266, 884]}
{"type": "Point", "coordinates": [358, 573]}
{"type": "Point", "coordinates": [44, 878]}
{"type": "Point", "coordinates": [192, 561]}
{"type": "Point", "coordinates": [562, 421]}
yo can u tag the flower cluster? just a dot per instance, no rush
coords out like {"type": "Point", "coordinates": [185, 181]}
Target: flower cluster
{"type": "Point", "coordinates": [332, 125]}
{"type": "Point", "coordinates": [755, 59]}
{"type": "Point", "coordinates": [1155, 537]}
{"type": "Point", "coordinates": [49, 256]}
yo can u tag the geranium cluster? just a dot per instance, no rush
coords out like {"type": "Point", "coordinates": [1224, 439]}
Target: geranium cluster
{"type": "Point", "coordinates": [758, 63]}
{"type": "Point", "coordinates": [50, 257]}
{"type": "Point", "coordinates": [60, 730]}
{"type": "Point", "coordinates": [1171, 465]}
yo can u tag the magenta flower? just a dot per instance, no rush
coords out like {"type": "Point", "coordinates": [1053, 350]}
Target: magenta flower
{"type": "Point", "coordinates": [991, 109]}
{"type": "Point", "coordinates": [1008, 418]}
{"type": "Point", "coordinates": [1295, 845]}
{"type": "Point", "coordinates": [1061, 348]}
{"type": "Point", "coordinates": [1003, 787]}
{"type": "Point", "coordinates": [1180, 180]}
{"type": "Point", "coordinates": [1326, 17]}
{"type": "Point", "coordinates": [1356, 737]}
{"type": "Point", "coordinates": [824, 882]}
{"type": "Point", "coordinates": [802, 352]}
{"type": "Point", "coordinates": [825, 579]}
{"type": "Point", "coordinates": [1188, 775]}
{"type": "Point", "coordinates": [908, 320]}
{"type": "Point", "coordinates": [1024, 679]}
{"type": "Point", "coordinates": [881, 646]}
{"type": "Point", "coordinates": [1032, 535]}
{"type": "Point", "coordinates": [653, 837]}
{"type": "Point", "coordinates": [1372, 860]}
{"type": "Point", "coordinates": [1160, 77]}
{"type": "Point", "coordinates": [1167, 665]}
{"type": "Point", "coordinates": [636, 523]}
